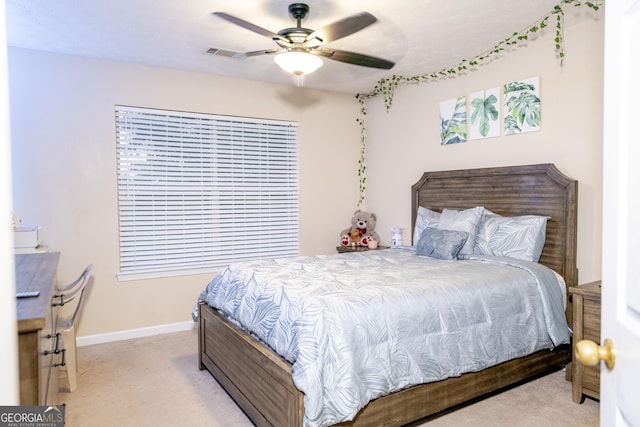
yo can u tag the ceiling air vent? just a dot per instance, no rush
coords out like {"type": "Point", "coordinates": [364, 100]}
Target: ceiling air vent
{"type": "Point", "coordinates": [224, 52]}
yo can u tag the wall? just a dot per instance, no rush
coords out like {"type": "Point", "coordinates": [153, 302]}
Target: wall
{"type": "Point", "coordinates": [64, 168]}
{"type": "Point", "coordinates": [405, 142]}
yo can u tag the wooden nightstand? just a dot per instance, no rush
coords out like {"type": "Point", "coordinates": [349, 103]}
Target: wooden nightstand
{"type": "Point", "coordinates": [586, 325]}
{"type": "Point", "coordinates": [344, 249]}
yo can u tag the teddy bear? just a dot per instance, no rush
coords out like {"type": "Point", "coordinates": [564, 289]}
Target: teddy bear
{"type": "Point", "coordinates": [361, 231]}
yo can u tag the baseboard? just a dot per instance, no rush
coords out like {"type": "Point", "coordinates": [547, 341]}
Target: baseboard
{"type": "Point", "coordinates": [134, 333]}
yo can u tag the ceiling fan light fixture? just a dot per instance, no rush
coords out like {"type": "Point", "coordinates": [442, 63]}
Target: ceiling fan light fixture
{"type": "Point", "coordinates": [298, 63]}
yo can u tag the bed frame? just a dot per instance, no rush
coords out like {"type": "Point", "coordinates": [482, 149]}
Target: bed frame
{"type": "Point", "coordinates": [261, 383]}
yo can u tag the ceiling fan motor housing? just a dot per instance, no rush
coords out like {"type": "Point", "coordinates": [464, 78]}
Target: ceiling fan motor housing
{"type": "Point", "coordinates": [298, 11]}
{"type": "Point", "coordinates": [297, 35]}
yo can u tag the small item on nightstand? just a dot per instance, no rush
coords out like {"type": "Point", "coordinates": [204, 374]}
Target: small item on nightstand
{"type": "Point", "coordinates": [373, 244]}
{"type": "Point", "coordinates": [355, 236]}
{"type": "Point", "coordinates": [396, 237]}
{"type": "Point", "coordinates": [361, 230]}
{"type": "Point", "coordinates": [16, 220]}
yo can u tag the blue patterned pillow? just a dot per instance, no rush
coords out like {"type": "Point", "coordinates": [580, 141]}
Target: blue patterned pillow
{"type": "Point", "coordinates": [442, 244]}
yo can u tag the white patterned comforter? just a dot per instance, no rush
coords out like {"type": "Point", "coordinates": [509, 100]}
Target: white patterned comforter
{"type": "Point", "coordinates": [357, 326]}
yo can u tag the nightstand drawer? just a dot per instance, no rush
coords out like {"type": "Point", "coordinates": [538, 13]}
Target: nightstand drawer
{"type": "Point", "coordinates": [591, 320]}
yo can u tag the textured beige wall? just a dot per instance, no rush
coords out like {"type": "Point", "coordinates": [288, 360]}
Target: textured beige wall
{"type": "Point", "coordinates": [405, 142]}
{"type": "Point", "coordinates": [64, 167]}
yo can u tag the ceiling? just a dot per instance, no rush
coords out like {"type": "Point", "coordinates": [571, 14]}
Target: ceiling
{"type": "Point", "coordinates": [420, 36]}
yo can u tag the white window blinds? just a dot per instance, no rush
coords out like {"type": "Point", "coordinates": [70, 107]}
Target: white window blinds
{"type": "Point", "coordinates": [197, 191]}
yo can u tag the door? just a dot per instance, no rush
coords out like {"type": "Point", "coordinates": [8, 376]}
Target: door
{"type": "Point", "coordinates": [621, 214]}
{"type": "Point", "coordinates": [9, 394]}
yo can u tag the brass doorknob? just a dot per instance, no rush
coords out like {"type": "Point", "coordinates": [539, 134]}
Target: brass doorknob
{"type": "Point", "coordinates": [589, 353]}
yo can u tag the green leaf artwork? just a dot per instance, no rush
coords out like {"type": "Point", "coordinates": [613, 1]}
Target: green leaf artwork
{"type": "Point", "coordinates": [484, 114]}
{"type": "Point", "coordinates": [511, 126]}
{"type": "Point", "coordinates": [453, 121]}
{"type": "Point", "coordinates": [522, 106]}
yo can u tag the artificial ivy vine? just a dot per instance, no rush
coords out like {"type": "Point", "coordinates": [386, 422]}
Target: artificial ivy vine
{"type": "Point", "coordinates": [386, 87]}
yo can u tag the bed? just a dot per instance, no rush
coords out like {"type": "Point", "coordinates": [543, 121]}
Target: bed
{"type": "Point", "coordinates": [261, 381]}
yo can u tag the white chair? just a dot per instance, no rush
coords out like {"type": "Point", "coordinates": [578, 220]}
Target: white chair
{"type": "Point", "coordinates": [68, 300]}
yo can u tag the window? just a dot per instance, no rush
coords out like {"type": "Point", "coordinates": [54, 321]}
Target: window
{"type": "Point", "coordinates": [197, 192]}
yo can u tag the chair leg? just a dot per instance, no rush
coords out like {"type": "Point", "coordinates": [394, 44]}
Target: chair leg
{"type": "Point", "coordinates": [69, 340]}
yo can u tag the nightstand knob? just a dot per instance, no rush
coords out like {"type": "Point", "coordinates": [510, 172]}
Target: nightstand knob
{"type": "Point", "coordinates": [589, 353]}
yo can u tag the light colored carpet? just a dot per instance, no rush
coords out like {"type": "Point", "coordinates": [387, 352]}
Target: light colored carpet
{"type": "Point", "coordinates": [155, 381]}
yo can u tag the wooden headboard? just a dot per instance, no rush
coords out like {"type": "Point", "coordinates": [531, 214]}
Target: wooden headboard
{"type": "Point", "coordinates": [509, 191]}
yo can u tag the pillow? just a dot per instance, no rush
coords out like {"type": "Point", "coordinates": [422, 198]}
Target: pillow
{"type": "Point", "coordinates": [481, 245]}
{"type": "Point", "coordinates": [425, 218]}
{"type": "Point", "coordinates": [441, 244]}
{"type": "Point", "coordinates": [520, 237]}
{"type": "Point", "coordinates": [466, 220]}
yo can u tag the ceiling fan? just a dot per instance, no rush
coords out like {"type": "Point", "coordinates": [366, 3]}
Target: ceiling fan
{"type": "Point", "coordinates": [300, 49]}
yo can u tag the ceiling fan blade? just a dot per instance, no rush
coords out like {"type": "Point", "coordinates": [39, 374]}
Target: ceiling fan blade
{"type": "Point", "coordinates": [342, 28]}
{"type": "Point", "coordinates": [262, 52]}
{"type": "Point", "coordinates": [247, 25]}
{"type": "Point", "coordinates": [354, 58]}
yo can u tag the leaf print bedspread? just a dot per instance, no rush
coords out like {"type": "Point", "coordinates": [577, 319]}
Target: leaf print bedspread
{"type": "Point", "coordinates": [357, 326]}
